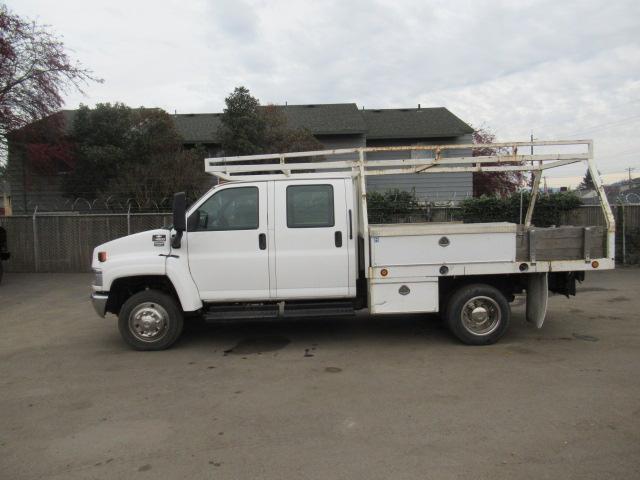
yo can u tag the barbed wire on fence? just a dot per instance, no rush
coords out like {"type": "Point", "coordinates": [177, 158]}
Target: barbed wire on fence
{"type": "Point", "coordinates": [108, 204]}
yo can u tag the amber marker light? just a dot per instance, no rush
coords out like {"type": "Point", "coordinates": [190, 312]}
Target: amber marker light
{"type": "Point", "coordinates": [595, 264]}
{"type": "Point", "coordinates": [384, 272]}
{"type": "Point", "coordinates": [102, 256]}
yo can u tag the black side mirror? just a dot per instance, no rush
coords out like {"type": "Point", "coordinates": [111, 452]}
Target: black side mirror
{"type": "Point", "coordinates": [179, 219]}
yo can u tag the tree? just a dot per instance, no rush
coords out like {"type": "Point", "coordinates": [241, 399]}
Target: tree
{"type": "Point", "coordinates": [175, 171]}
{"type": "Point", "coordinates": [131, 155]}
{"type": "Point", "coordinates": [279, 137]}
{"type": "Point", "coordinates": [492, 183]}
{"type": "Point", "coordinates": [35, 71]}
{"type": "Point", "coordinates": [242, 128]}
{"type": "Point", "coordinates": [100, 139]}
{"type": "Point", "coordinates": [247, 128]}
{"type": "Point", "coordinates": [587, 182]}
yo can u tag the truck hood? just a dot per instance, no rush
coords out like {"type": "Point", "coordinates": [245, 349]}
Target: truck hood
{"type": "Point", "coordinates": [133, 248]}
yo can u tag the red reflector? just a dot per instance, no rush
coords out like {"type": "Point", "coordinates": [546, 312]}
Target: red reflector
{"type": "Point", "coordinates": [102, 256]}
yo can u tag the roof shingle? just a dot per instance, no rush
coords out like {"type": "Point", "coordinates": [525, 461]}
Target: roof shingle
{"type": "Point", "coordinates": [413, 123]}
{"type": "Point", "coordinates": [332, 119]}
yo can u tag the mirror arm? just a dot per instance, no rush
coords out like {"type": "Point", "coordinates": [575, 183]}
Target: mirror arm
{"type": "Point", "coordinates": [176, 240]}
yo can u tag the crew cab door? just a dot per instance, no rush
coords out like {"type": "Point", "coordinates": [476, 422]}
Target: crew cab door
{"type": "Point", "coordinates": [227, 244]}
{"type": "Point", "coordinates": [312, 241]}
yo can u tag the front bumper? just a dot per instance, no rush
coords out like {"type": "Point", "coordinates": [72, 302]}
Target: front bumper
{"type": "Point", "coordinates": [99, 301]}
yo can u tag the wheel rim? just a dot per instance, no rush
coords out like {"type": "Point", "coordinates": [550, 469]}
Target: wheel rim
{"type": "Point", "coordinates": [148, 322]}
{"type": "Point", "coordinates": [481, 315]}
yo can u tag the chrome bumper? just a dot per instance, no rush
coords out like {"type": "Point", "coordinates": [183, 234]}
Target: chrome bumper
{"type": "Point", "coordinates": [99, 301]}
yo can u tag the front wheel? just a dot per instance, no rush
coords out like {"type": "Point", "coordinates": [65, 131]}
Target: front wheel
{"type": "Point", "coordinates": [478, 314]}
{"type": "Point", "coordinates": [150, 320]}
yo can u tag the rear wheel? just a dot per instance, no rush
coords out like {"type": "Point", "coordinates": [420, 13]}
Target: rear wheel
{"type": "Point", "coordinates": [150, 320]}
{"type": "Point", "coordinates": [478, 314]}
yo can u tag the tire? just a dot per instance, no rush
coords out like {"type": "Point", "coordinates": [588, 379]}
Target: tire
{"type": "Point", "coordinates": [150, 320]}
{"type": "Point", "coordinates": [491, 319]}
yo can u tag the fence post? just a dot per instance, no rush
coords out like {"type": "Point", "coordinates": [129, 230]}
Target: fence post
{"type": "Point", "coordinates": [129, 220]}
{"type": "Point", "coordinates": [521, 194]}
{"type": "Point", "coordinates": [622, 220]}
{"type": "Point", "coordinates": [36, 259]}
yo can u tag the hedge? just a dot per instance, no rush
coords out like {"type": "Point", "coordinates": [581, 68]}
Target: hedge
{"type": "Point", "coordinates": [383, 207]}
{"type": "Point", "coordinates": [547, 211]}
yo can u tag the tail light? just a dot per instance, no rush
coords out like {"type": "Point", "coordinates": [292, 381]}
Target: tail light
{"type": "Point", "coordinates": [102, 256]}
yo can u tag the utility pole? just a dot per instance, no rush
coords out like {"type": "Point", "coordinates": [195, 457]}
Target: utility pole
{"type": "Point", "coordinates": [532, 162]}
{"type": "Point", "coordinates": [630, 169]}
{"type": "Point", "coordinates": [532, 145]}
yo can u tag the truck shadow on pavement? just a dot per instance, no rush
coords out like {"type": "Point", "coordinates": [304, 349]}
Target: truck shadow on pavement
{"type": "Point", "coordinates": [255, 337]}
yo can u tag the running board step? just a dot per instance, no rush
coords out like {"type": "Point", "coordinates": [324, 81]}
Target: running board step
{"type": "Point", "coordinates": [273, 311]}
{"type": "Point", "coordinates": [333, 309]}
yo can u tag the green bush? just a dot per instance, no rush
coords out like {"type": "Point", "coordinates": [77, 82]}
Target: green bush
{"type": "Point", "coordinates": [547, 212]}
{"type": "Point", "coordinates": [387, 207]}
{"type": "Point", "coordinates": [383, 207]}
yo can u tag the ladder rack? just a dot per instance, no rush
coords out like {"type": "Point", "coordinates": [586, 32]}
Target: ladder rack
{"type": "Point", "coordinates": [505, 158]}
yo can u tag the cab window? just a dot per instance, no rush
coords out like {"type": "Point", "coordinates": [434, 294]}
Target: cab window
{"type": "Point", "coordinates": [229, 209]}
{"type": "Point", "coordinates": [310, 206]}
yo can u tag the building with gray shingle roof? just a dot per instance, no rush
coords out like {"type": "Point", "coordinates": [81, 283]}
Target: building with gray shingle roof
{"type": "Point", "coordinates": [335, 125]}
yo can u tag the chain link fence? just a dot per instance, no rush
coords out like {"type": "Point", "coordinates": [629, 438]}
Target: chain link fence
{"type": "Point", "coordinates": [65, 242]}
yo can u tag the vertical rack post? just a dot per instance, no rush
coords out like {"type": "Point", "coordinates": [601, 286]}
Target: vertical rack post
{"type": "Point", "coordinates": [363, 211]}
{"type": "Point", "coordinates": [604, 203]}
{"type": "Point", "coordinates": [534, 196]}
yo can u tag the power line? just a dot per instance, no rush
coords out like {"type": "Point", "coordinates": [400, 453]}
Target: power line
{"type": "Point", "coordinates": [603, 126]}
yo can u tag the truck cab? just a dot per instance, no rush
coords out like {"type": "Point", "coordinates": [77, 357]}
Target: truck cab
{"type": "Point", "coordinates": [262, 242]}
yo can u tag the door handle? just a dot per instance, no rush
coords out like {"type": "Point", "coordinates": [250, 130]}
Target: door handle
{"type": "Point", "coordinates": [262, 241]}
{"type": "Point", "coordinates": [338, 238]}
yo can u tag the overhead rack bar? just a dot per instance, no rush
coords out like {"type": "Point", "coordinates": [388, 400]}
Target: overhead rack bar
{"type": "Point", "coordinates": [505, 158]}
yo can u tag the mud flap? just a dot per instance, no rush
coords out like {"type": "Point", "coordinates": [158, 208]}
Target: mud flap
{"type": "Point", "coordinates": [537, 297]}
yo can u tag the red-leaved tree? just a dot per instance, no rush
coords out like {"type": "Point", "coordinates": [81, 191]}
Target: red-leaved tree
{"type": "Point", "coordinates": [492, 183]}
{"type": "Point", "coordinates": [35, 72]}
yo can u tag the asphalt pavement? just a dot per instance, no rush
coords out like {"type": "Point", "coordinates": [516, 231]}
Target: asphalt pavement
{"type": "Point", "coordinates": [362, 398]}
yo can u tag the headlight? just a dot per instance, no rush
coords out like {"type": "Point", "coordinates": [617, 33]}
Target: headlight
{"type": "Point", "coordinates": [98, 280]}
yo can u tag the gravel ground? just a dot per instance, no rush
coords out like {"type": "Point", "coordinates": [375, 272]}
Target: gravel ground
{"type": "Point", "coordinates": [371, 398]}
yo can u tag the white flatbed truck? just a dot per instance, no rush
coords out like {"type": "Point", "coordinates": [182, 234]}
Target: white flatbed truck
{"type": "Point", "coordinates": [287, 235]}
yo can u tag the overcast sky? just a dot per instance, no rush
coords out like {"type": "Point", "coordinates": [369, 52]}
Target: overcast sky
{"type": "Point", "coordinates": [557, 68]}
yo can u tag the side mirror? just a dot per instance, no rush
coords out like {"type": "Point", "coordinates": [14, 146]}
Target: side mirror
{"type": "Point", "coordinates": [179, 219]}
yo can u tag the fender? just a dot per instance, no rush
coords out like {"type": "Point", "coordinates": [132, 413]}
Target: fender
{"type": "Point", "coordinates": [147, 253]}
{"type": "Point", "coordinates": [131, 266]}
{"type": "Point", "coordinates": [177, 269]}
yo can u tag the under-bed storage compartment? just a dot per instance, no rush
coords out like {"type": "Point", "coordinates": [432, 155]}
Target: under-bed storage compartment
{"type": "Point", "coordinates": [394, 296]}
